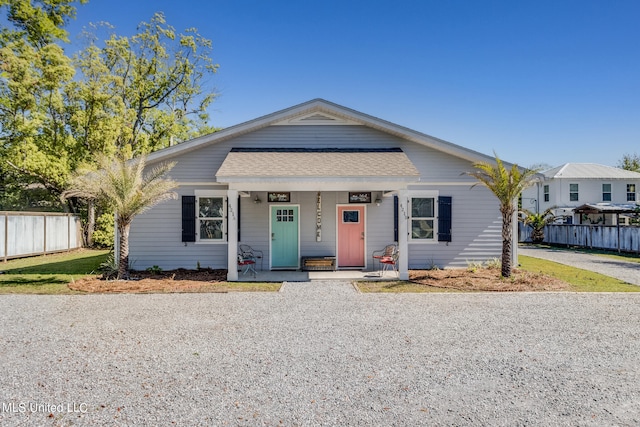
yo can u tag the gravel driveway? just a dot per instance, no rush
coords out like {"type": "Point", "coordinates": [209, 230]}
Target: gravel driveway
{"type": "Point", "coordinates": [626, 271]}
{"type": "Point", "coordinates": [320, 353]}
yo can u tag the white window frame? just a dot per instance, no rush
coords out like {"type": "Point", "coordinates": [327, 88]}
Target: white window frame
{"type": "Point", "coordinates": [214, 194]}
{"type": "Point", "coordinates": [546, 192]}
{"type": "Point", "coordinates": [577, 192]}
{"type": "Point", "coordinates": [423, 195]}
{"type": "Point", "coordinates": [632, 195]}
{"type": "Point", "coordinates": [606, 192]}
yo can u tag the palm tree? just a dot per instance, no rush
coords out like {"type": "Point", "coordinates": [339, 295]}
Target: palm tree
{"type": "Point", "coordinates": [507, 186]}
{"type": "Point", "coordinates": [123, 186]}
{"type": "Point", "coordinates": [537, 221]}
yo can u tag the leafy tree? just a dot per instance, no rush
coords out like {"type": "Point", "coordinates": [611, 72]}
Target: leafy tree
{"type": "Point", "coordinates": [149, 87]}
{"type": "Point", "coordinates": [123, 95]}
{"type": "Point", "coordinates": [40, 22]}
{"type": "Point", "coordinates": [507, 186]}
{"type": "Point", "coordinates": [537, 222]}
{"type": "Point", "coordinates": [34, 71]}
{"type": "Point", "coordinates": [630, 162]}
{"type": "Point", "coordinates": [123, 186]}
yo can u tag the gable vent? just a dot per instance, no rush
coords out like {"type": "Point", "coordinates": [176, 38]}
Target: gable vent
{"type": "Point", "coordinates": [316, 119]}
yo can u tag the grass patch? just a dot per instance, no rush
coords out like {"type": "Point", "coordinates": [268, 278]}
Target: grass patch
{"type": "Point", "coordinates": [580, 280]}
{"type": "Point", "coordinates": [622, 256]}
{"type": "Point", "coordinates": [49, 274]}
{"type": "Point", "coordinates": [533, 274]}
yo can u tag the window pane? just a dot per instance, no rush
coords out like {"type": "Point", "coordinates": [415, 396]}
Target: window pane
{"type": "Point", "coordinates": [422, 207]}
{"type": "Point", "coordinates": [573, 188]}
{"type": "Point", "coordinates": [573, 197]}
{"type": "Point", "coordinates": [350, 216]}
{"type": "Point", "coordinates": [606, 197]}
{"type": "Point", "coordinates": [211, 229]}
{"type": "Point", "coordinates": [606, 188]}
{"type": "Point", "coordinates": [631, 188]}
{"type": "Point", "coordinates": [422, 228]}
{"type": "Point", "coordinates": [631, 197]}
{"type": "Point", "coordinates": [546, 188]}
{"type": "Point", "coordinates": [210, 207]}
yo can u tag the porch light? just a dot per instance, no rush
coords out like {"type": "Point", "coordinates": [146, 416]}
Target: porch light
{"type": "Point", "coordinates": [257, 200]}
{"type": "Point", "coordinates": [378, 201]}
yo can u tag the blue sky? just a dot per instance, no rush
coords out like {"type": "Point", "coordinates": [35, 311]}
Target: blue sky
{"type": "Point", "coordinates": [535, 81]}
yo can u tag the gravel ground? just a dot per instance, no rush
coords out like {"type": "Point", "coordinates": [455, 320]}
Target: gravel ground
{"type": "Point", "coordinates": [320, 353]}
{"type": "Point", "coordinates": [625, 271]}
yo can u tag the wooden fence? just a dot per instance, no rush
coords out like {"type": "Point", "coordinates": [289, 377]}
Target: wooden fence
{"type": "Point", "coordinates": [36, 233]}
{"type": "Point", "coordinates": [623, 238]}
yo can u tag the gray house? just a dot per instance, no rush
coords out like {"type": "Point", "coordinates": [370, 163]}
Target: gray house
{"type": "Point", "coordinates": [317, 180]}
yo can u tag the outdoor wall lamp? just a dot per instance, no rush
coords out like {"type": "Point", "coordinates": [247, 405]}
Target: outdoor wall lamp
{"type": "Point", "coordinates": [378, 201]}
{"type": "Point", "coordinates": [257, 200]}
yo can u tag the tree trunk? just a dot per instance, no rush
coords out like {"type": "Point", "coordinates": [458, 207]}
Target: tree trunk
{"type": "Point", "coordinates": [507, 239]}
{"type": "Point", "coordinates": [123, 258]}
{"type": "Point", "coordinates": [91, 221]}
{"type": "Point", "coordinates": [537, 235]}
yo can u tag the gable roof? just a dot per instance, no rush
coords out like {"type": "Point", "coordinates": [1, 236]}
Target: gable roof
{"type": "Point", "coordinates": [589, 170]}
{"type": "Point", "coordinates": [313, 112]}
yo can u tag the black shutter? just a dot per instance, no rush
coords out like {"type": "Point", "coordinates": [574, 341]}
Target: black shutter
{"type": "Point", "coordinates": [444, 219]}
{"type": "Point", "coordinates": [395, 218]}
{"type": "Point", "coordinates": [188, 218]}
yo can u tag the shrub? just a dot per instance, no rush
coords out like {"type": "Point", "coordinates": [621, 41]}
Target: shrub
{"type": "Point", "coordinates": [104, 233]}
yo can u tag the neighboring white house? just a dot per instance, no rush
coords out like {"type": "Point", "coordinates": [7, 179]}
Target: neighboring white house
{"type": "Point", "coordinates": [316, 180]}
{"type": "Point", "coordinates": [576, 184]}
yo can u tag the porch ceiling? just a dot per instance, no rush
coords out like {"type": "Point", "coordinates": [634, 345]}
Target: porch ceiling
{"type": "Point", "coordinates": [384, 168]}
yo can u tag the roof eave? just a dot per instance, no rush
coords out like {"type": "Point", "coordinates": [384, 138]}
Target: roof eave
{"type": "Point", "coordinates": [321, 105]}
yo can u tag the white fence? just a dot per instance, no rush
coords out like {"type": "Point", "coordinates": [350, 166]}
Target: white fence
{"type": "Point", "coordinates": [623, 238]}
{"type": "Point", "coordinates": [36, 233]}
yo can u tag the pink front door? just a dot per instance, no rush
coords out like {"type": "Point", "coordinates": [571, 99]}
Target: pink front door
{"type": "Point", "coordinates": [350, 236]}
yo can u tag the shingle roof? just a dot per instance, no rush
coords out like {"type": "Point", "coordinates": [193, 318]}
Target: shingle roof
{"type": "Point", "coordinates": [317, 163]}
{"type": "Point", "coordinates": [323, 108]}
{"type": "Point", "coordinates": [589, 170]}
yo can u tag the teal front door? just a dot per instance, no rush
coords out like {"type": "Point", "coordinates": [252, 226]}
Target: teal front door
{"type": "Point", "coordinates": [284, 237]}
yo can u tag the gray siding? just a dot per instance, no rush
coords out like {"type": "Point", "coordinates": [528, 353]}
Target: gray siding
{"type": "Point", "coordinates": [156, 236]}
{"type": "Point", "coordinates": [476, 231]}
{"type": "Point", "coordinates": [156, 239]}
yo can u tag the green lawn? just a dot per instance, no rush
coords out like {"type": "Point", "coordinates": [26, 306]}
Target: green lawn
{"type": "Point", "coordinates": [49, 274]}
{"type": "Point", "coordinates": [580, 280]}
{"type": "Point", "coordinates": [622, 256]}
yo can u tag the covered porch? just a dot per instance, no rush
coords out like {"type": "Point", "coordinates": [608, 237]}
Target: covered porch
{"type": "Point", "coordinates": [316, 190]}
{"type": "Point", "coordinates": [308, 276]}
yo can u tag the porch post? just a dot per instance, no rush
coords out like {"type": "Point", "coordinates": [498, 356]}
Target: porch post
{"type": "Point", "coordinates": [232, 235]}
{"type": "Point", "coordinates": [403, 230]}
